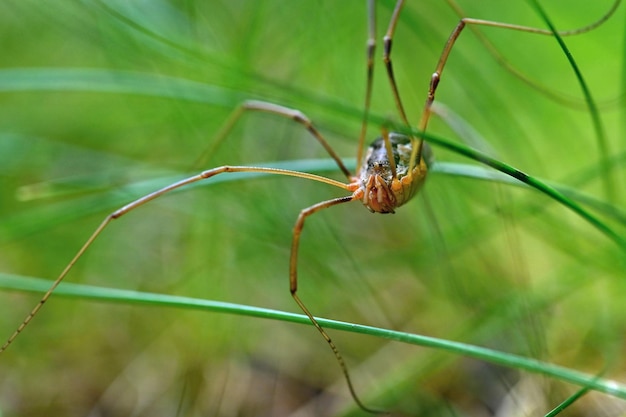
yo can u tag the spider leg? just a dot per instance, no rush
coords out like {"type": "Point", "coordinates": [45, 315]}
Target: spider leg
{"type": "Point", "coordinates": [387, 44]}
{"type": "Point", "coordinates": [471, 22]}
{"type": "Point", "coordinates": [293, 285]}
{"type": "Point", "coordinates": [263, 106]}
{"type": "Point", "coordinates": [371, 48]}
{"type": "Point", "coordinates": [418, 145]}
{"type": "Point", "coordinates": [500, 58]}
{"type": "Point", "coordinates": [145, 199]}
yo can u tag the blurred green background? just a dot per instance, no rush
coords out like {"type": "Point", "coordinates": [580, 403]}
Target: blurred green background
{"type": "Point", "coordinates": [96, 97]}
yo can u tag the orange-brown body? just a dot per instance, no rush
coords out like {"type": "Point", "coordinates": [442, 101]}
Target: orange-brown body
{"type": "Point", "coordinates": [384, 185]}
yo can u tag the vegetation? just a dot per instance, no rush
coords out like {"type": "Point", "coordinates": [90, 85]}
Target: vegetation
{"type": "Point", "coordinates": [512, 294]}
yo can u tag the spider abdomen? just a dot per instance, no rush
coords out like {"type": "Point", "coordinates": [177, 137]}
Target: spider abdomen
{"type": "Point", "coordinates": [386, 186]}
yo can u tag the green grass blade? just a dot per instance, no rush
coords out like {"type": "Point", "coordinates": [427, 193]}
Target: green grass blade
{"type": "Point", "coordinates": [568, 402]}
{"type": "Point", "coordinates": [37, 285]}
{"type": "Point", "coordinates": [523, 177]}
{"type": "Point", "coordinates": [117, 82]}
{"type": "Point", "coordinates": [601, 139]}
{"type": "Point", "coordinates": [133, 83]}
{"type": "Point", "coordinates": [55, 212]}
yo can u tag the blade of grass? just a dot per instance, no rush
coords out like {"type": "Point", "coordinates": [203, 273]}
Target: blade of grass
{"type": "Point", "coordinates": [531, 181]}
{"type": "Point", "coordinates": [138, 83]}
{"type": "Point", "coordinates": [37, 219]}
{"type": "Point", "coordinates": [601, 140]}
{"type": "Point", "coordinates": [474, 139]}
{"type": "Point", "coordinates": [569, 401]}
{"type": "Point", "coordinates": [117, 82]}
{"type": "Point", "coordinates": [37, 285]}
{"type": "Point", "coordinates": [557, 96]}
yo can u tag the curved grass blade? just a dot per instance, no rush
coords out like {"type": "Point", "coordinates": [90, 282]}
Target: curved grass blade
{"type": "Point", "coordinates": [557, 96]}
{"type": "Point", "coordinates": [474, 139]}
{"type": "Point", "coordinates": [601, 140]}
{"type": "Point", "coordinates": [569, 401]}
{"type": "Point", "coordinates": [37, 219]}
{"type": "Point", "coordinates": [139, 83]}
{"type": "Point", "coordinates": [521, 176]}
{"type": "Point", "coordinates": [481, 173]}
{"type": "Point", "coordinates": [117, 82]}
{"type": "Point", "coordinates": [37, 285]}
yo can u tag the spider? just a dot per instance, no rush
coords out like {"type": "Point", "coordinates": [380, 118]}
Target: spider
{"type": "Point", "coordinates": [390, 171]}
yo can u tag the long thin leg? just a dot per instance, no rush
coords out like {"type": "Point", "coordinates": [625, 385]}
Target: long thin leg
{"type": "Point", "coordinates": [490, 47]}
{"type": "Point", "coordinates": [418, 145]}
{"type": "Point", "coordinates": [443, 59]}
{"type": "Point", "coordinates": [390, 158]}
{"type": "Point", "coordinates": [147, 198]}
{"type": "Point", "coordinates": [263, 106]}
{"type": "Point", "coordinates": [371, 48]}
{"type": "Point", "coordinates": [388, 42]}
{"type": "Point", "coordinates": [293, 286]}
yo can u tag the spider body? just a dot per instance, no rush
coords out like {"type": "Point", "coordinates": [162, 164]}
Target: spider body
{"type": "Point", "coordinates": [385, 183]}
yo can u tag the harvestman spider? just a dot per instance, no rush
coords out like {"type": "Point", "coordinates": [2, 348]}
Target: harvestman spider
{"type": "Point", "coordinates": [390, 174]}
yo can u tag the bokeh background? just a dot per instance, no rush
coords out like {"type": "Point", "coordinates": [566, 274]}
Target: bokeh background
{"type": "Point", "coordinates": [469, 260]}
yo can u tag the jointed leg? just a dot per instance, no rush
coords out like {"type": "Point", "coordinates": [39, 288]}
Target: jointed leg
{"type": "Point", "coordinates": [443, 59]}
{"type": "Point", "coordinates": [391, 159]}
{"type": "Point", "coordinates": [418, 145]}
{"type": "Point", "coordinates": [295, 115]}
{"type": "Point", "coordinates": [388, 41]}
{"type": "Point", "coordinates": [145, 199]}
{"type": "Point", "coordinates": [559, 97]}
{"type": "Point", "coordinates": [371, 48]}
{"type": "Point", "coordinates": [293, 285]}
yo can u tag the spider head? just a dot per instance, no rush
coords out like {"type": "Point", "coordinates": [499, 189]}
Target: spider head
{"type": "Point", "coordinates": [383, 189]}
